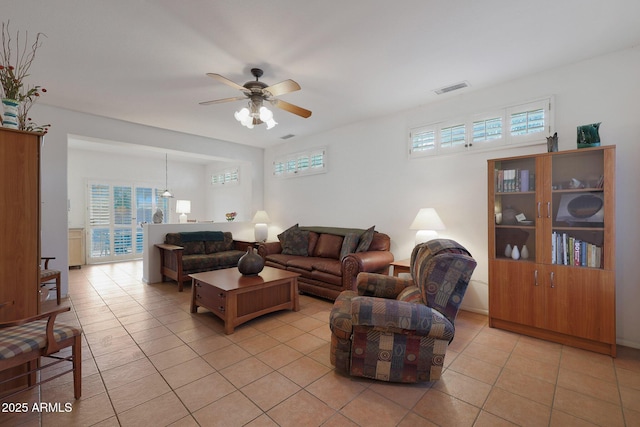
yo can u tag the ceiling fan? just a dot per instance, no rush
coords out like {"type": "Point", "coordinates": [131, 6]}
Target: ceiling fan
{"type": "Point", "coordinates": [257, 93]}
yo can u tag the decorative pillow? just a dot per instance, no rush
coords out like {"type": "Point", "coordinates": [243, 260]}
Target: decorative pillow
{"type": "Point", "coordinates": [281, 235]}
{"type": "Point", "coordinates": [365, 240]}
{"type": "Point", "coordinates": [349, 244]}
{"type": "Point", "coordinates": [410, 294]}
{"type": "Point", "coordinates": [295, 241]}
{"type": "Point", "coordinates": [329, 246]}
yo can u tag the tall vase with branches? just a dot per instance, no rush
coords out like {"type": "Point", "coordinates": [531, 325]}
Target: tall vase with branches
{"type": "Point", "coordinates": [16, 58]}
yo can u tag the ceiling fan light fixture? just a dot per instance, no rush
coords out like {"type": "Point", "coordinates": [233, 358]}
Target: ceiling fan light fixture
{"type": "Point", "coordinates": [242, 115]}
{"type": "Point", "coordinates": [271, 123]}
{"type": "Point", "coordinates": [257, 93]}
{"type": "Point", "coordinates": [265, 114]}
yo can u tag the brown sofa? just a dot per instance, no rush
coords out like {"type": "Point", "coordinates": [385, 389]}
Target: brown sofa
{"type": "Point", "coordinates": [328, 258]}
{"type": "Point", "coordinates": [191, 252]}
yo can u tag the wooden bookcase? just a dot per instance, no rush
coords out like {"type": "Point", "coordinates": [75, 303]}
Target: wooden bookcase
{"type": "Point", "coordinates": [554, 204]}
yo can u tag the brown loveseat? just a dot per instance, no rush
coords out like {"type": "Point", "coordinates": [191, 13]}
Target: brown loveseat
{"type": "Point", "coordinates": [328, 258]}
{"type": "Point", "coordinates": [195, 251]}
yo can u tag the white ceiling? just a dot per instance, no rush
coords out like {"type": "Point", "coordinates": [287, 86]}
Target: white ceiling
{"type": "Point", "coordinates": [144, 61]}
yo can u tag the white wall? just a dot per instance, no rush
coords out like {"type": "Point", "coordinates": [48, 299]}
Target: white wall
{"type": "Point", "coordinates": [370, 179]}
{"type": "Point", "coordinates": [54, 165]}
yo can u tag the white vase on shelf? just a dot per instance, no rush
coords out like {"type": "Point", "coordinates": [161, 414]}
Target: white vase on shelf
{"type": "Point", "coordinates": [507, 251]}
{"type": "Point", "coordinates": [524, 253]}
{"type": "Point", "coordinates": [515, 253]}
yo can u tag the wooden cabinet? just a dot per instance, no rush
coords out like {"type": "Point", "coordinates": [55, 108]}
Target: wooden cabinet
{"type": "Point", "coordinates": [19, 224]}
{"type": "Point", "coordinates": [20, 231]}
{"type": "Point", "coordinates": [76, 247]}
{"type": "Point", "coordinates": [561, 207]}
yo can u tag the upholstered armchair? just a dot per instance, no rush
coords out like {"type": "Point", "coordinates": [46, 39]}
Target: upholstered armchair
{"type": "Point", "coordinates": [398, 329]}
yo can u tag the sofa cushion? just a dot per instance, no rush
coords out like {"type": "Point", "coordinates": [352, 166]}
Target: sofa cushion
{"type": "Point", "coordinates": [327, 265]}
{"type": "Point", "coordinates": [193, 248]}
{"type": "Point", "coordinates": [313, 241]}
{"type": "Point", "coordinates": [410, 294]}
{"type": "Point", "coordinates": [349, 244]}
{"type": "Point", "coordinates": [213, 246]}
{"type": "Point", "coordinates": [305, 263]}
{"type": "Point", "coordinates": [328, 246]}
{"type": "Point", "coordinates": [365, 240]}
{"type": "Point", "coordinates": [279, 259]}
{"type": "Point", "coordinates": [202, 262]}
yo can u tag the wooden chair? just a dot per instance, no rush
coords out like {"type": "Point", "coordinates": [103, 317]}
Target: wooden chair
{"type": "Point", "coordinates": [24, 341]}
{"type": "Point", "coordinates": [48, 276]}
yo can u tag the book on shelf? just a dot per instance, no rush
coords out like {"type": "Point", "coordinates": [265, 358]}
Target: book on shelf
{"type": "Point", "coordinates": [568, 250]}
{"type": "Point", "coordinates": [513, 180]}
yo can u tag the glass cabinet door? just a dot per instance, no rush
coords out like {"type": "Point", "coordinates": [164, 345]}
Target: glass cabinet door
{"type": "Point", "coordinates": [578, 206]}
{"type": "Point", "coordinates": [515, 209]}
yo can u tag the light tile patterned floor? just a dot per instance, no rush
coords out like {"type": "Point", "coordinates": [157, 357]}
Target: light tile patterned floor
{"type": "Point", "coordinates": [147, 361]}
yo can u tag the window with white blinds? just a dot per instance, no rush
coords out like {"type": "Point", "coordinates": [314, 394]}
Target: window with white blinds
{"type": "Point", "coordinates": [302, 163]}
{"type": "Point", "coordinates": [116, 213]}
{"type": "Point", "coordinates": [522, 124]}
{"type": "Point", "coordinates": [227, 176]}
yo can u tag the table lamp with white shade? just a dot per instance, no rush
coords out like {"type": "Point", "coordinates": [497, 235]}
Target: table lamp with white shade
{"type": "Point", "coordinates": [183, 207]}
{"type": "Point", "coordinates": [428, 223]}
{"type": "Point", "coordinates": [261, 231]}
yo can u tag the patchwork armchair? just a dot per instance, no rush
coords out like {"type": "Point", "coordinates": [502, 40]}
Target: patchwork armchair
{"type": "Point", "coordinates": [398, 329]}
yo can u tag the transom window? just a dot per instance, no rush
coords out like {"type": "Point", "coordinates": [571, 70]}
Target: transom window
{"type": "Point", "coordinates": [528, 123]}
{"type": "Point", "coordinates": [302, 163]}
{"type": "Point", "coordinates": [227, 176]}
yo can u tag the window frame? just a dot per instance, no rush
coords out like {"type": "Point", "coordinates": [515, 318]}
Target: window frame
{"type": "Point", "coordinates": [228, 176]}
{"type": "Point", "coordinates": [506, 139]}
{"type": "Point", "coordinates": [301, 163]}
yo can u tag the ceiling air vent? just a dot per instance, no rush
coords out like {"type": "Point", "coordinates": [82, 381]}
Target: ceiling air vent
{"type": "Point", "coordinates": [290, 135]}
{"type": "Point", "coordinates": [451, 88]}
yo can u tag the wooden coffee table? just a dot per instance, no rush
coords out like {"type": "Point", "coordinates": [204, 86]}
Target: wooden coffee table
{"type": "Point", "coordinates": [237, 299]}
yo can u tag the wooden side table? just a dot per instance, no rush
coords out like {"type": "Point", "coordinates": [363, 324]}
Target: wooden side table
{"type": "Point", "coordinates": [401, 266]}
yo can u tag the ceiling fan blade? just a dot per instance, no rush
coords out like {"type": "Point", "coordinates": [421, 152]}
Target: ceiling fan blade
{"type": "Point", "coordinates": [292, 108]}
{"type": "Point", "coordinates": [282, 87]}
{"type": "Point", "coordinates": [220, 101]}
{"type": "Point", "coordinates": [226, 81]}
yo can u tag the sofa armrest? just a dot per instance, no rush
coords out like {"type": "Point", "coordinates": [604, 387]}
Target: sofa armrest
{"type": "Point", "coordinates": [370, 262]}
{"type": "Point", "coordinates": [168, 247]}
{"type": "Point", "coordinates": [269, 248]}
{"type": "Point", "coordinates": [400, 317]}
{"type": "Point", "coordinates": [171, 263]}
{"type": "Point", "coordinates": [380, 285]}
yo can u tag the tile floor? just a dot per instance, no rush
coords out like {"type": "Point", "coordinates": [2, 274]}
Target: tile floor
{"type": "Point", "coordinates": [148, 362]}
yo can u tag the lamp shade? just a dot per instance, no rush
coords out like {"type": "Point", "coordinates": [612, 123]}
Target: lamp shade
{"type": "Point", "coordinates": [183, 207]}
{"type": "Point", "coordinates": [427, 219]}
{"type": "Point", "coordinates": [261, 217]}
{"type": "Point", "coordinates": [427, 222]}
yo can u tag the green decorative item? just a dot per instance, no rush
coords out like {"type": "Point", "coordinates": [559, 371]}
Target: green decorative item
{"type": "Point", "coordinates": [588, 135]}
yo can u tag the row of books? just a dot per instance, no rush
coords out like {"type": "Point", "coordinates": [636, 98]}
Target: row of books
{"type": "Point", "coordinates": [567, 250]}
{"type": "Point", "coordinates": [513, 180]}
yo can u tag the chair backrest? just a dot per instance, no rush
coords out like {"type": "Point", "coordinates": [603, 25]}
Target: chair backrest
{"type": "Point", "coordinates": [442, 268]}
